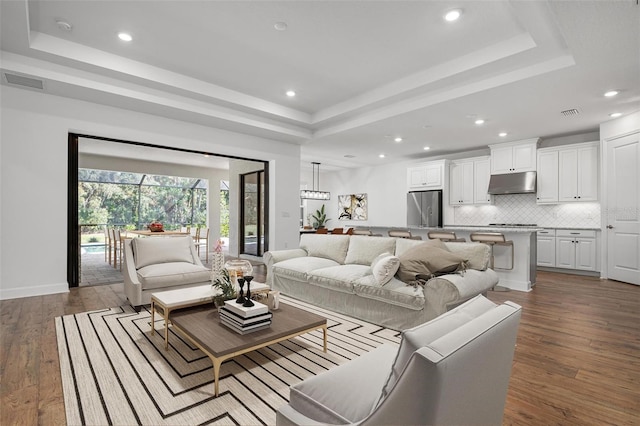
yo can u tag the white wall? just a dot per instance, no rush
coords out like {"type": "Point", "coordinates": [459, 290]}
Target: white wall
{"type": "Point", "coordinates": [33, 182]}
{"type": "Point", "coordinates": [386, 189]}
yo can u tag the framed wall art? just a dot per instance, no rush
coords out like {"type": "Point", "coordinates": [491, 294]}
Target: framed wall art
{"type": "Point", "coordinates": [352, 207]}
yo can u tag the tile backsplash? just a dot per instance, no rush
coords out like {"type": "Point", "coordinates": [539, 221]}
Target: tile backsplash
{"type": "Point", "coordinates": [522, 208]}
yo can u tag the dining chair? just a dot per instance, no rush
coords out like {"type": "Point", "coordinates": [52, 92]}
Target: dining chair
{"type": "Point", "coordinates": [115, 246]}
{"type": "Point", "coordinates": [202, 240]}
{"type": "Point", "coordinates": [322, 231]}
{"type": "Point", "coordinates": [107, 244]}
{"type": "Point", "coordinates": [337, 231]}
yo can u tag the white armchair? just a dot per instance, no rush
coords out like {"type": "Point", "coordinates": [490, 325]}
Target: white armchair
{"type": "Point", "coordinates": [158, 264]}
{"type": "Point", "coordinates": [453, 370]}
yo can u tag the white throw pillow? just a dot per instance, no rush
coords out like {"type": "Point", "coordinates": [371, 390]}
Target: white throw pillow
{"type": "Point", "coordinates": [153, 250]}
{"type": "Point", "coordinates": [384, 267]}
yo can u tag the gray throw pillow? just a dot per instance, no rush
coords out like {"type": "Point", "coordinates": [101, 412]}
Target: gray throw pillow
{"type": "Point", "coordinates": [426, 260]}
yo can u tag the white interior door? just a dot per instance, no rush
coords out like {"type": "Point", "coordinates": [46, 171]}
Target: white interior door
{"type": "Point", "coordinates": [622, 215]}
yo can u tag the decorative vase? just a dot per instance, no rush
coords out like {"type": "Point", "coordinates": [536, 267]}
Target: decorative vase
{"type": "Point", "coordinates": [238, 268]}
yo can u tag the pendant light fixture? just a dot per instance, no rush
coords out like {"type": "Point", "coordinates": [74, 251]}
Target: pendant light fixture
{"type": "Point", "coordinates": [315, 193]}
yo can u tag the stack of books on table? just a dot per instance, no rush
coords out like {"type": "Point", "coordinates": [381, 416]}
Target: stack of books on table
{"type": "Point", "coordinates": [243, 319]}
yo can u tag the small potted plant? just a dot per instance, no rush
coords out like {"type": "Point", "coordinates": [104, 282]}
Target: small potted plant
{"type": "Point", "coordinates": [320, 218]}
{"type": "Point", "coordinates": [227, 291]}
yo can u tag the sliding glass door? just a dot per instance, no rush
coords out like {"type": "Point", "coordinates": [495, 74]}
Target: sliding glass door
{"type": "Point", "coordinates": [252, 208]}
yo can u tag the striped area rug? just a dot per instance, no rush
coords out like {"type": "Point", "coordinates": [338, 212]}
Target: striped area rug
{"type": "Point", "coordinates": [114, 372]}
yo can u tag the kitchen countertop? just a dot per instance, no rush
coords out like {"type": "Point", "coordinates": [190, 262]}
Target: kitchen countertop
{"type": "Point", "coordinates": [512, 229]}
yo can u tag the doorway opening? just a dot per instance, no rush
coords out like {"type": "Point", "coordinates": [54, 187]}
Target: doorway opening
{"type": "Point", "coordinates": [128, 155]}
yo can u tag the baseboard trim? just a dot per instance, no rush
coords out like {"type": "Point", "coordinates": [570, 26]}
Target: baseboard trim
{"type": "Point", "coordinates": [41, 290]}
{"type": "Point", "coordinates": [569, 271]}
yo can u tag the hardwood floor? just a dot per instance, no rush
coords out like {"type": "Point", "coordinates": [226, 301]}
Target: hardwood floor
{"type": "Point", "coordinates": [577, 359]}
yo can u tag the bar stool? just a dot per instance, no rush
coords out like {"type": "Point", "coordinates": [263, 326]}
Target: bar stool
{"type": "Point", "coordinates": [492, 239]}
{"type": "Point", "coordinates": [447, 236]}
{"type": "Point", "coordinates": [403, 233]}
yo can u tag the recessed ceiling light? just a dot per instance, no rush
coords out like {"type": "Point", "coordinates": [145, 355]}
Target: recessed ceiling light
{"type": "Point", "coordinates": [426, 148]}
{"type": "Point", "coordinates": [206, 155]}
{"type": "Point", "coordinates": [502, 134]}
{"type": "Point", "coordinates": [611, 93]}
{"type": "Point", "coordinates": [291, 93]}
{"type": "Point", "coordinates": [479, 121]}
{"type": "Point", "coordinates": [615, 114]}
{"type": "Point", "coordinates": [125, 36]}
{"type": "Point", "coordinates": [280, 26]}
{"type": "Point", "coordinates": [63, 25]}
{"type": "Point", "coordinates": [398, 139]}
{"type": "Point", "coordinates": [452, 15]}
{"type": "Point", "coordinates": [381, 155]}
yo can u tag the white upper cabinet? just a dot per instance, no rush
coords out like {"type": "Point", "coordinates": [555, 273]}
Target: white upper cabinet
{"type": "Point", "coordinates": [461, 182]}
{"type": "Point", "coordinates": [578, 173]}
{"type": "Point", "coordinates": [547, 176]}
{"type": "Point", "coordinates": [514, 157]}
{"type": "Point", "coordinates": [482, 174]}
{"type": "Point", "coordinates": [469, 181]}
{"type": "Point", "coordinates": [427, 176]}
{"type": "Point", "coordinates": [568, 174]}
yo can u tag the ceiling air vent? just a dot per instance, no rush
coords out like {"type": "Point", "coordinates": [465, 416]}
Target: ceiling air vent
{"type": "Point", "coordinates": [568, 112]}
{"type": "Point", "coordinates": [20, 80]}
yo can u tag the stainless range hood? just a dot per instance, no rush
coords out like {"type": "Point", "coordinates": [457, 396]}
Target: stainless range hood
{"type": "Point", "coordinates": [513, 183]}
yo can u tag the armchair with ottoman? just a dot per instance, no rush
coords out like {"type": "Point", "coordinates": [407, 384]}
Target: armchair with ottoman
{"type": "Point", "coordinates": [158, 264]}
{"type": "Point", "coordinates": [453, 370]}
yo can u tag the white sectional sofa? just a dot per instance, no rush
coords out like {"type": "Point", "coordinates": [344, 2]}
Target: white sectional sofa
{"type": "Point", "coordinates": [158, 264]}
{"type": "Point", "coordinates": [335, 272]}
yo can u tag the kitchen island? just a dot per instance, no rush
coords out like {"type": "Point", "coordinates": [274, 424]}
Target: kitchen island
{"type": "Point", "coordinates": [523, 275]}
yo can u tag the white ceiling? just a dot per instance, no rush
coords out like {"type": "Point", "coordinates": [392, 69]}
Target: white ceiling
{"type": "Point", "coordinates": [364, 71]}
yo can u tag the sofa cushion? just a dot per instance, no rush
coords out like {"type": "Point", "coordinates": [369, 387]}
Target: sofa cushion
{"type": "Point", "coordinates": [363, 249]}
{"type": "Point", "coordinates": [327, 246]}
{"type": "Point", "coordinates": [297, 268]}
{"type": "Point", "coordinates": [426, 260]}
{"type": "Point", "coordinates": [476, 254]}
{"type": "Point", "coordinates": [395, 292]}
{"type": "Point", "coordinates": [425, 334]}
{"type": "Point", "coordinates": [152, 250]}
{"type": "Point", "coordinates": [339, 278]}
{"type": "Point", "coordinates": [172, 274]}
{"type": "Point", "coordinates": [404, 244]}
{"type": "Point", "coordinates": [344, 395]}
{"type": "Point", "coordinates": [384, 267]}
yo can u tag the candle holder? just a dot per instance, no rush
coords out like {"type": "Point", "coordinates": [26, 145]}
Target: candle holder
{"type": "Point", "coordinates": [241, 298]}
{"type": "Point", "coordinates": [248, 302]}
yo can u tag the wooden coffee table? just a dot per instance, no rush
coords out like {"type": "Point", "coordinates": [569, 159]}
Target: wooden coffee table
{"type": "Point", "coordinates": [202, 327]}
{"type": "Point", "coordinates": [171, 300]}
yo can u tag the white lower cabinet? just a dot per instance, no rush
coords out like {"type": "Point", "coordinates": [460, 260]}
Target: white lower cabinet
{"type": "Point", "coordinates": [546, 243]}
{"type": "Point", "coordinates": [576, 249]}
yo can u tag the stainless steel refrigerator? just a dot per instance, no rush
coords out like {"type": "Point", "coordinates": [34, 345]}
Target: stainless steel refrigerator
{"type": "Point", "coordinates": [424, 209]}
